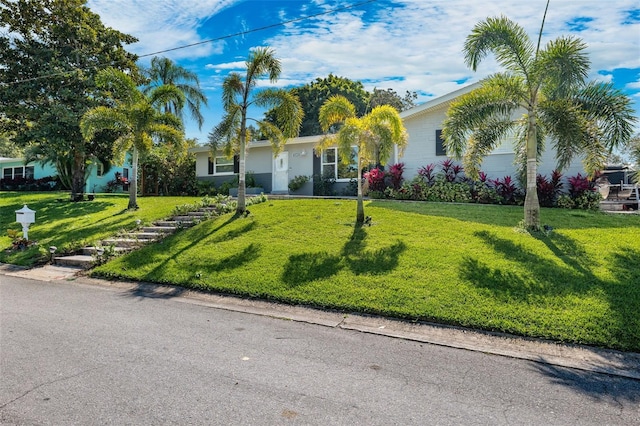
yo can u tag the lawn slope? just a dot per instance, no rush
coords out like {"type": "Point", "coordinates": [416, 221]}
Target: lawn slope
{"type": "Point", "coordinates": [456, 264]}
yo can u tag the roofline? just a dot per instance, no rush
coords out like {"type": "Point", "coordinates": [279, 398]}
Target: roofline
{"type": "Point", "coordinates": [438, 102]}
{"type": "Point", "coordinates": [264, 143]}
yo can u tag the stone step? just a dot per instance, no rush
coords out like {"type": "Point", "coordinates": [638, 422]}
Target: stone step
{"type": "Point", "coordinates": [78, 260]}
{"type": "Point", "coordinates": [125, 242]}
{"type": "Point", "coordinates": [160, 229]}
{"type": "Point", "coordinates": [612, 206]}
{"type": "Point", "coordinates": [90, 251]}
{"type": "Point", "coordinates": [174, 224]}
{"type": "Point", "coordinates": [197, 213]}
{"type": "Point", "coordinates": [144, 235]}
{"type": "Point", "coordinates": [184, 218]}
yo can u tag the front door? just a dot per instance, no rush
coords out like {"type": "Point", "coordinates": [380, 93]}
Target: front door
{"type": "Point", "coordinates": [281, 173]}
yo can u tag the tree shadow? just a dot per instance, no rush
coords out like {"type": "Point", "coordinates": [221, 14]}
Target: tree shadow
{"type": "Point", "coordinates": [612, 389]}
{"type": "Point", "coordinates": [306, 267]}
{"type": "Point", "coordinates": [566, 274]}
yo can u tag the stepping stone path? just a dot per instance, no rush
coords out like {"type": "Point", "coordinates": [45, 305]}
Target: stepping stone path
{"type": "Point", "coordinates": [135, 239]}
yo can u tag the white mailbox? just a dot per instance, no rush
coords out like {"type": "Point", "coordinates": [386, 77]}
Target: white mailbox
{"type": "Point", "coordinates": [25, 216]}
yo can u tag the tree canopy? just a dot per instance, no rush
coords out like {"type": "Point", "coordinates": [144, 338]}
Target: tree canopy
{"type": "Point", "coordinates": [374, 135]}
{"type": "Point", "coordinates": [239, 93]}
{"type": "Point", "coordinates": [50, 52]}
{"type": "Point", "coordinates": [547, 83]}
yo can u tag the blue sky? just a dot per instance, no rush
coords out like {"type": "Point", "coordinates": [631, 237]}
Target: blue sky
{"type": "Point", "coordinates": [411, 45]}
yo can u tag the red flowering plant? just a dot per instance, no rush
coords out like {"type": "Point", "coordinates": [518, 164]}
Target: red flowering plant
{"type": "Point", "coordinates": [375, 179]}
{"type": "Point", "coordinates": [395, 173]}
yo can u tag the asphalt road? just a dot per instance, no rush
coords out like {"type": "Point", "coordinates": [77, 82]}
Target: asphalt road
{"type": "Point", "coordinates": [77, 354]}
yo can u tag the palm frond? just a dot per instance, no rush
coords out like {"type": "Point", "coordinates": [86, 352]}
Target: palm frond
{"type": "Point", "coordinates": [232, 86]}
{"type": "Point", "coordinates": [334, 111]}
{"type": "Point", "coordinates": [507, 40]}
{"type": "Point", "coordinates": [564, 66]}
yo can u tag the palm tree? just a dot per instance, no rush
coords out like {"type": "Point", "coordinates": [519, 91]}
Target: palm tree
{"type": "Point", "coordinates": [231, 133]}
{"type": "Point", "coordinates": [165, 72]}
{"type": "Point", "coordinates": [135, 117]}
{"type": "Point", "coordinates": [374, 136]}
{"type": "Point", "coordinates": [549, 85]}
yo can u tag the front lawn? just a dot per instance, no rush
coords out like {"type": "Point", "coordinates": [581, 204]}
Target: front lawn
{"type": "Point", "coordinates": [70, 226]}
{"type": "Point", "coordinates": [456, 264]}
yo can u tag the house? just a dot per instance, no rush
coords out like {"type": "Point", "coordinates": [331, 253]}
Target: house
{"type": "Point", "coordinates": [425, 146]}
{"type": "Point", "coordinates": [37, 176]}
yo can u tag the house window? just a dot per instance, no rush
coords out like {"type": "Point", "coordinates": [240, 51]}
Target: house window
{"type": "Point", "coordinates": [440, 149]}
{"type": "Point", "coordinates": [100, 170]}
{"type": "Point", "coordinates": [18, 172]}
{"type": "Point", "coordinates": [125, 173]}
{"type": "Point", "coordinates": [221, 166]}
{"type": "Point", "coordinates": [332, 166]}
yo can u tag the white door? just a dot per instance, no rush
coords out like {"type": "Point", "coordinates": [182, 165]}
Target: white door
{"type": "Point", "coordinates": [281, 173]}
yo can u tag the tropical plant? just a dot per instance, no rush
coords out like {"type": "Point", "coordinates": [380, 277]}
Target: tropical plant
{"type": "Point", "coordinates": [136, 118]}
{"type": "Point", "coordinates": [237, 91]}
{"type": "Point", "coordinates": [165, 72]}
{"type": "Point", "coordinates": [374, 136]}
{"type": "Point", "coordinates": [50, 52]}
{"type": "Point", "coordinates": [549, 85]}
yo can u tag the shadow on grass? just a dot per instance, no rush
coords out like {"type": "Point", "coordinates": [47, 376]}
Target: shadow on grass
{"type": "Point", "coordinates": [571, 275]}
{"type": "Point", "coordinates": [604, 387]}
{"type": "Point", "coordinates": [307, 267]}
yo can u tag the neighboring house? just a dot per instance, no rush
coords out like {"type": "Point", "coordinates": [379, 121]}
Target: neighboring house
{"type": "Point", "coordinates": [423, 124]}
{"type": "Point", "coordinates": [16, 175]}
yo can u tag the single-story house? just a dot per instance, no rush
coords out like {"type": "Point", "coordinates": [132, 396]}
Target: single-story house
{"type": "Point", "coordinates": [16, 175]}
{"type": "Point", "coordinates": [423, 123]}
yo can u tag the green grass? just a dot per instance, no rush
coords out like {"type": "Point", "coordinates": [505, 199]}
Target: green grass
{"type": "Point", "coordinates": [70, 226]}
{"type": "Point", "coordinates": [455, 264]}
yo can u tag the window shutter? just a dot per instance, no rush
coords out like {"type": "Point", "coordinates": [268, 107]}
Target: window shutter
{"type": "Point", "coordinates": [440, 150]}
{"type": "Point", "coordinates": [236, 164]}
{"type": "Point", "coordinates": [210, 160]}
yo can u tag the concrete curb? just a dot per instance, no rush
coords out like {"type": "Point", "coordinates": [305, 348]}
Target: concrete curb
{"type": "Point", "coordinates": [616, 363]}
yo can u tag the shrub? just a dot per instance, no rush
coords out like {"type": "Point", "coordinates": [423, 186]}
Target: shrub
{"type": "Point", "coordinates": [323, 184]}
{"type": "Point", "coordinates": [427, 173]}
{"type": "Point", "coordinates": [506, 189]}
{"type": "Point", "coordinates": [351, 190]}
{"type": "Point", "coordinates": [375, 179]}
{"type": "Point", "coordinates": [298, 182]}
{"type": "Point", "coordinates": [549, 189]}
{"type": "Point", "coordinates": [395, 174]}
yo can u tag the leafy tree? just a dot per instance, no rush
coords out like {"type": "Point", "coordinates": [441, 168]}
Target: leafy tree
{"type": "Point", "coordinates": [165, 72]}
{"type": "Point", "coordinates": [50, 51]}
{"type": "Point", "coordinates": [633, 148]}
{"type": "Point", "coordinates": [313, 95]}
{"type": "Point", "coordinates": [238, 95]}
{"type": "Point", "coordinates": [374, 135]}
{"type": "Point", "coordinates": [136, 118]}
{"type": "Point", "coordinates": [549, 85]}
{"type": "Point", "coordinates": [390, 97]}
{"type": "Point", "coordinates": [7, 147]}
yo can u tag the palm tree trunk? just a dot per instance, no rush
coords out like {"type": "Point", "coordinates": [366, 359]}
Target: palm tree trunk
{"type": "Point", "coordinates": [242, 205]}
{"type": "Point", "coordinates": [133, 181]}
{"type": "Point", "coordinates": [531, 203]}
{"type": "Point", "coordinates": [360, 202]}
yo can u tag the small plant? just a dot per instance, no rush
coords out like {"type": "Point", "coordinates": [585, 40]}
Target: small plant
{"type": "Point", "coordinates": [549, 189]}
{"type": "Point", "coordinates": [375, 179]}
{"type": "Point", "coordinates": [298, 182]}
{"type": "Point", "coordinates": [427, 173]}
{"type": "Point", "coordinates": [323, 185]}
{"type": "Point", "coordinates": [18, 242]}
{"type": "Point", "coordinates": [395, 173]}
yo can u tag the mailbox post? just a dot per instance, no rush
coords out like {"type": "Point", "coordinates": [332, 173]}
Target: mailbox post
{"type": "Point", "coordinates": [25, 216]}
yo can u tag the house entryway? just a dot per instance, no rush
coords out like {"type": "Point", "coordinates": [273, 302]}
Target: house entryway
{"type": "Point", "coordinates": [281, 174]}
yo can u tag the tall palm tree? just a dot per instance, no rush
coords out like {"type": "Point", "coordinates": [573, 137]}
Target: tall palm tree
{"type": "Point", "coordinates": [374, 135]}
{"type": "Point", "coordinates": [165, 72]}
{"type": "Point", "coordinates": [549, 85]}
{"type": "Point", "coordinates": [238, 95]}
{"type": "Point", "coordinates": [135, 117]}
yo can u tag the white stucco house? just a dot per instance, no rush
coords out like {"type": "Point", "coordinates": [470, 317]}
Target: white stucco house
{"type": "Point", "coordinates": [423, 123]}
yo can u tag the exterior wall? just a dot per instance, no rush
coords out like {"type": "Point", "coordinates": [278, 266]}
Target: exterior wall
{"type": "Point", "coordinates": [421, 150]}
{"type": "Point", "coordinates": [39, 170]}
{"type": "Point", "coordinates": [259, 162]}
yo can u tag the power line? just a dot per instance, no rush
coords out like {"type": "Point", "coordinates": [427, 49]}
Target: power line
{"type": "Point", "coordinates": [186, 46]}
{"type": "Point", "coordinates": [266, 27]}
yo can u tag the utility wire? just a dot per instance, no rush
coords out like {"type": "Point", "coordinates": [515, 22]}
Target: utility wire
{"type": "Point", "coordinates": [186, 46]}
